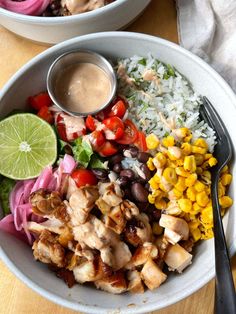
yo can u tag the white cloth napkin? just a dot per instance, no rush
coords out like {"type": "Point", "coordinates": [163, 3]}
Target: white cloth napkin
{"type": "Point", "coordinates": [208, 29]}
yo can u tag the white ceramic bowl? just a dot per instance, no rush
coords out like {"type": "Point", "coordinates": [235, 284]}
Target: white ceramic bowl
{"type": "Point", "coordinates": [18, 256]}
{"type": "Point", "coordinates": [52, 30]}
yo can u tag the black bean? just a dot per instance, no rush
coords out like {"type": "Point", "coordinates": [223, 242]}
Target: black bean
{"type": "Point", "coordinates": [143, 157]}
{"type": "Point", "coordinates": [115, 159]}
{"type": "Point", "coordinates": [139, 192]}
{"type": "Point", "coordinates": [128, 173]}
{"type": "Point", "coordinates": [123, 181]}
{"type": "Point", "coordinates": [128, 194]}
{"type": "Point", "coordinates": [132, 151]}
{"type": "Point", "coordinates": [117, 168]}
{"type": "Point", "coordinates": [146, 172]}
{"type": "Point", "coordinates": [101, 174]}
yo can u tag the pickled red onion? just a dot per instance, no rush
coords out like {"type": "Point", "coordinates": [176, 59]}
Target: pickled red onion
{"type": "Point", "coordinates": [27, 7]}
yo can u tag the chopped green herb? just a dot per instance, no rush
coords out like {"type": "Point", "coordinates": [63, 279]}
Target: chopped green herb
{"type": "Point", "coordinates": [166, 134]}
{"type": "Point", "coordinates": [144, 107]}
{"type": "Point", "coordinates": [142, 61]}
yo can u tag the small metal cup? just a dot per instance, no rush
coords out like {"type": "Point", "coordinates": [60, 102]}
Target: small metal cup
{"type": "Point", "coordinates": [75, 57]}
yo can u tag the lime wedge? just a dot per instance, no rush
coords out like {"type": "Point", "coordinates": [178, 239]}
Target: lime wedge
{"type": "Point", "coordinates": [27, 145]}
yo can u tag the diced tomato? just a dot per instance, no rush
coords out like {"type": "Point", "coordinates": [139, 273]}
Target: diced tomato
{"type": "Point", "coordinates": [61, 129]}
{"type": "Point", "coordinates": [118, 109]}
{"type": "Point", "coordinates": [45, 114]}
{"type": "Point", "coordinates": [141, 142]}
{"type": "Point", "coordinates": [115, 125]}
{"type": "Point", "coordinates": [83, 177]}
{"type": "Point", "coordinates": [90, 123]}
{"type": "Point", "coordinates": [97, 139]}
{"type": "Point", "coordinates": [39, 101]}
{"type": "Point", "coordinates": [130, 133]}
{"type": "Point", "coordinates": [108, 149]}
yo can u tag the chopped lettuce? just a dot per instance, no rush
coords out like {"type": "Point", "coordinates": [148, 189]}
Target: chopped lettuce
{"type": "Point", "coordinates": [6, 186]}
{"type": "Point", "coordinates": [82, 151]}
{"type": "Point", "coordinates": [96, 162]}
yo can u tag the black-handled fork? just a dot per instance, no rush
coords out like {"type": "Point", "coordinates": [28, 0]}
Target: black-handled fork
{"type": "Point", "coordinates": [225, 298]}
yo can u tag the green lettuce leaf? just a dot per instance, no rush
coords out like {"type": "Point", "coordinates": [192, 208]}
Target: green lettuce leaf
{"type": "Point", "coordinates": [82, 151]}
{"type": "Point", "coordinates": [6, 186]}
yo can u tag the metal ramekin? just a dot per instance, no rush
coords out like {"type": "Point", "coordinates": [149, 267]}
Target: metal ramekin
{"type": "Point", "coordinates": [75, 57]}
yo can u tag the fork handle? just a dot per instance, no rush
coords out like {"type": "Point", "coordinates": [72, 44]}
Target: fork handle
{"type": "Point", "coordinates": [225, 298]}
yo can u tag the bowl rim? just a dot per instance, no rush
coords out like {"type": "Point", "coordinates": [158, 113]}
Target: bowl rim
{"type": "Point", "coordinates": [209, 272]}
{"type": "Point", "coordinates": [63, 19]}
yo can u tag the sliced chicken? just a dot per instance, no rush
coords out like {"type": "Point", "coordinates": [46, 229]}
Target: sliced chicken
{"type": "Point", "coordinates": [52, 224]}
{"type": "Point", "coordinates": [135, 282]}
{"type": "Point", "coordinates": [71, 188]}
{"type": "Point", "coordinates": [151, 274]}
{"type": "Point", "coordinates": [95, 235]}
{"type": "Point", "coordinates": [162, 245]}
{"type": "Point", "coordinates": [142, 254]}
{"type": "Point", "coordinates": [44, 202]}
{"type": "Point", "coordinates": [176, 228]}
{"type": "Point", "coordinates": [91, 270]}
{"type": "Point", "coordinates": [115, 283]}
{"type": "Point", "coordinates": [138, 230]}
{"type": "Point", "coordinates": [177, 258]}
{"type": "Point", "coordinates": [48, 250]}
{"type": "Point", "coordinates": [110, 193]}
{"type": "Point", "coordinates": [81, 202]}
{"type": "Point", "coordinates": [81, 6]}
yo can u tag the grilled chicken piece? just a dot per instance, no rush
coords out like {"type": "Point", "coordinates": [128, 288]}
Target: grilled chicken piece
{"type": "Point", "coordinates": [135, 282]}
{"type": "Point", "coordinates": [152, 276]}
{"type": "Point", "coordinates": [177, 258]}
{"type": "Point", "coordinates": [95, 235]}
{"type": "Point", "coordinates": [110, 193]}
{"type": "Point", "coordinates": [44, 202]}
{"type": "Point", "coordinates": [142, 254]}
{"type": "Point", "coordinates": [162, 245]}
{"type": "Point", "coordinates": [81, 202]}
{"type": "Point", "coordinates": [138, 230]}
{"type": "Point", "coordinates": [115, 283]}
{"type": "Point", "coordinates": [52, 224]}
{"type": "Point", "coordinates": [71, 188]}
{"type": "Point", "coordinates": [48, 250]}
{"type": "Point", "coordinates": [81, 6]}
{"type": "Point", "coordinates": [175, 228]}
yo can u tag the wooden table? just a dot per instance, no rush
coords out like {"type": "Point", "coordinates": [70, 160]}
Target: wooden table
{"type": "Point", "coordinates": [159, 19]}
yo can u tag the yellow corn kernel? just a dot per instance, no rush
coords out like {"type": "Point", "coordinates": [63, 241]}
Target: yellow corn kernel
{"type": "Point", "coordinates": [188, 138]}
{"type": "Point", "coordinates": [156, 178]}
{"type": "Point", "coordinates": [208, 190]}
{"type": "Point", "coordinates": [207, 156]}
{"type": "Point", "coordinates": [152, 141]}
{"type": "Point", "coordinates": [196, 208]}
{"type": "Point", "coordinates": [178, 194]}
{"type": "Point", "coordinates": [226, 179]}
{"type": "Point", "coordinates": [151, 198]}
{"type": "Point", "coordinates": [201, 143]}
{"type": "Point", "coordinates": [150, 164]}
{"type": "Point", "coordinates": [193, 224]}
{"type": "Point", "coordinates": [161, 204]}
{"type": "Point", "coordinates": [170, 175]}
{"type": "Point", "coordinates": [199, 171]}
{"type": "Point", "coordinates": [221, 189]}
{"type": "Point", "coordinates": [225, 201]}
{"type": "Point", "coordinates": [153, 184]}
{"type": "Point", "coordinates": [198, 150]}
{"type": "Point", "coordinates": [207, 216]}
{"type": "Point", "coordinates": [190, 181]}
{"type": "Point", "coordinates": [225, 169]}
{"type": "Point", "coordinates": [199, 186]}
{"type": "Point", "coordinates": [159, 160]}
{"type": "Point", "coordinates": [156, 228]}
{"type": "Point", "coordinates": [208, 234]}
{"type": "Point", "coordinates": [212, 161]}
{"type": "Point", "coordinates": [206, 174]}
{"type": "Point", "coordinates": [191, 193]}
{"type": "Point", "coordinates": [196, 234]}
{"type": "Point", "coordinates": [181, 172]}
{"type": "Point", "coordinates": [174, 153]}
{"type": "Point", "coordinates": [179, 163]}
{"type": "Point", "coordinates": [168, 141]}
{"type": "Point", "coordinates": [202, 198]}
{"type": "Point", "coordinates": [180, 185]}
{"type": "Point", "coordinates": [190, 163]}
{"type": "Point", "coordinates": [199, 159]}
{"type": "Point", "coordinates": [182, 132]}
{"type": "Point", "coordinates": [185, 205]}
{"type": "Point", "coordinates": [186, 148]}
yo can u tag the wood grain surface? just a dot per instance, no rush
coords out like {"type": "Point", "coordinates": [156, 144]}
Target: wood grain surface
{"type": "Point", "coordinates": [159, 19]}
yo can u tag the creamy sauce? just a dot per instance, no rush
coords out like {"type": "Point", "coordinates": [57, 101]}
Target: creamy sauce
{"type": "Point", "coordinates": [83, 87]}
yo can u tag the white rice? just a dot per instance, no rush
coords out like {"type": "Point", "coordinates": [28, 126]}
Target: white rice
{"type": "Point", "coordinates": [171, 94]}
